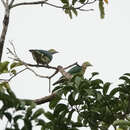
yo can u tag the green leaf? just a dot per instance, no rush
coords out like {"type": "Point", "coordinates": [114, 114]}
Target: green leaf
{"type": "Point", "coordinates": [27, 125]}
{"type": "Point", "coordinates": [127, 74]}
{"type": "Point", "coordinates": [74, 1]}
{"type": "Point", "coordinates": [71, 99]}
{"type": "Point", "coordinates": [70, 115]}
{"type": "Point", "coordinates": [106, 87]}
{"type": "Point", "coordinates": [59, 108]}
{"type": "Point", "coordinates": [13, 72]}
{"type": "Point", "coordinates": [29, 112]}
{"type": "Point", "coordinates": [2, 89]}
{"type": "Point", "coordinates": [126, 79]}
{"type": "Point", "coordinates": [90, 92]}
{"type": "Point", "coordinates": [121, 122]}
{"type": "Point", "coordinates": [77, 124]}
{"type": "Point", "coordinates": [66, 6]}
{"type": "Point", "coordinates": [114, 91]}
{"type": "Point", "coordinates": [82, 1]}
{"type": "Point", "coordinates": [101, 8]}
{"type": "Point", "coordinates": [96, 83]}
{"type": "Point", "coordinates": [78, 80]}
{"type": "Point", "coordinates": [94, 74]}
{"type": "Point", "coordinates": [65, 1]}
{"type": "Point", "coordinates": [15, 64]}
{"type": "Point", "coordinates": [70, 13]}
{"type": "Point", "coordinates": [57, 88]}
{"type": "Point", "coordinates": [4, 67]}
{"type": "Point", "coordinates": [74, 11]}
{"type": "Point", "coordinates": [49, 115]}
{"type": "Point", "coordinates": [8, 116]}
{"type": "Point", "coordinates": [49, 125]}
{"type": "Point", "coordinates": [10, 129]}
{"type": "Point", "coordinates": [98, 96]}
{"type": "Point", "coordinates": [54, 102]}
{"type": "Point", "coordinates": [10, 92]}
{"type": "Point", "coordinates": [37, 113]}
{"type": "Point", "coordinates": [17, 117]}
{"type": "Point", "coordinates": [41, 122]}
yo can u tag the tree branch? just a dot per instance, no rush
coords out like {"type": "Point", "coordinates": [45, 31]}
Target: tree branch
{"type": "Point", "coordinates": [27, 66]}
{"type": "Point", "coordinates": [45, 99]}
{"type": "Point", "coordinates": [11, 3]}
{"type": "Point", "coordinates": [5, 27]}
{"type": "Point", "coordinates": [16, 74]}
{"type": "Point", "coordinates": [29, 3]}
{"type": "Point", "coordinates": [3, 2]}
{"type": "Point", "coordinates": [53, 5]}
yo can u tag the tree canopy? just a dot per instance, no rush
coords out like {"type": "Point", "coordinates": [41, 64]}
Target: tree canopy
{"type": "Point", "coordinates": [73, 104]}
{"type": "Point", "coordinates": [76, 103]}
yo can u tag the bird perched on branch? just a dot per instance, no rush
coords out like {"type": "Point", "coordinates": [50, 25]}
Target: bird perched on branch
{"type": "Point", "coordinates": [76, 70]}
{"type": "Point", "coordinates": [43, 57]}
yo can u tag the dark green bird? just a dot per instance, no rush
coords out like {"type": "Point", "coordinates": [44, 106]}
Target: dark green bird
{"type": "Point", "coordinates": [42, 56]}
{"type": "Point", "coordinates": [80, 70]}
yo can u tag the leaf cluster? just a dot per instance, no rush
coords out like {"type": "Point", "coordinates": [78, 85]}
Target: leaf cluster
{"type": "Point", "coordinates": [80, 102]}
{"type": "Point", "coordinates": [91, 103]}
{"type": "Point", "coordinates": [16, 110]}
{"type": "Point", "coordinates": [72, 7]}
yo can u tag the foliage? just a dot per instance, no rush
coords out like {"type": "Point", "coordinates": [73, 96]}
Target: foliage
{"type": "Point", "coordinates": [69, 6]}
{"type": "Point", "coordinates": [79, 103]}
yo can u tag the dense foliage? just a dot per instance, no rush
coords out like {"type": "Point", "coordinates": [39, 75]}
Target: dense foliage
{"type": "Point", "coordinates": [79, 103]}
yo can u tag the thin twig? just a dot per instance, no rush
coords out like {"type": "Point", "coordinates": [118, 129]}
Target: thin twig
{"type": "Point", "coordinates": [36, 65]}
{"type": "Point", "coordinates": [86, 3]}
{"type": "Point", "coordinates": [49, 85]}
{"type": "Point", "coordinates": [27, 66]}
{"type": "Point", "coordinates": [8, 80]}
{"type": "Point", "coordinates": [83, 5]}
{"type": "Point", "coordinates": [53, 5]}
{"type": "Point", "coordinates": [86, 10]}
{"type": "Point", "coordinates": [5, 27]}
{"type": "Point", "coordinates": [3, 2]}
{"type": "Point", "coordinates": [70, 65]}
{"type": "Point", "coordinates": [29, 3]}
{"type": "Point", "coordinates": [41, 76]}
{"type": "Point", "coordinates": [53, 74]}
{"type": "Point", "coordinates": [11, 3]}
{"type": "Point", "coordinates": [14, 52]}
{"type": "Point", "coordinates": [16, 74]}
{"type": "Point", "coordinates": [7, 2]}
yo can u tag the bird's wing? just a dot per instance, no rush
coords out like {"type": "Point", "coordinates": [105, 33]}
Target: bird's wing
{"type": "Point", "coordinates": [46, 54]}
{"type": "Point", "coordinates": [76, 69]}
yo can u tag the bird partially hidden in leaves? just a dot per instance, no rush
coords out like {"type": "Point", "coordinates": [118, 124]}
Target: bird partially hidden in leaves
{"type": "Point", "coordinates": [76, 70]}
{"type": "Point", "coordinates": [43, 57]}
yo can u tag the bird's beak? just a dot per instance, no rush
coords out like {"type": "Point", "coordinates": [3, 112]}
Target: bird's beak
{"type": "Point", "coordinates": [56, 52]}
{"type": "Point", "coordinates": [90, 65]}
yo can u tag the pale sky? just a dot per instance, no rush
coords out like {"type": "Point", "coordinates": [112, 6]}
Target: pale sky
{"type": "Point", "coordinates": [105, 43]}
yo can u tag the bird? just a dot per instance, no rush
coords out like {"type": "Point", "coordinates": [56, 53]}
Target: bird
{"type": "Point", "coordinates": [43, 57]}
{"type": "Point", "coordinates": [76, 70]}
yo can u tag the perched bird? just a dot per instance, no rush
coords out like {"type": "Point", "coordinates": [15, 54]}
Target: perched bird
{"type": "Point", "coordinates": [76, 70]}
{"type": "Point", "coordinates": [42, 56]}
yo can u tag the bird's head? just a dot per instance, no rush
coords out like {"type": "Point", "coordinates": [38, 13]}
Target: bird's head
{"type": "Point", "coordinates": [53, 51]}
{"type": "Point", "coordinates": [31, 50]}
{"type": "Point", "coordinates": [86, 64]}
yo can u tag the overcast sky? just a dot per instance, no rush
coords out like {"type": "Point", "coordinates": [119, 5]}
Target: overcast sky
{"type": "Point", "coordinates": [105, 43]}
